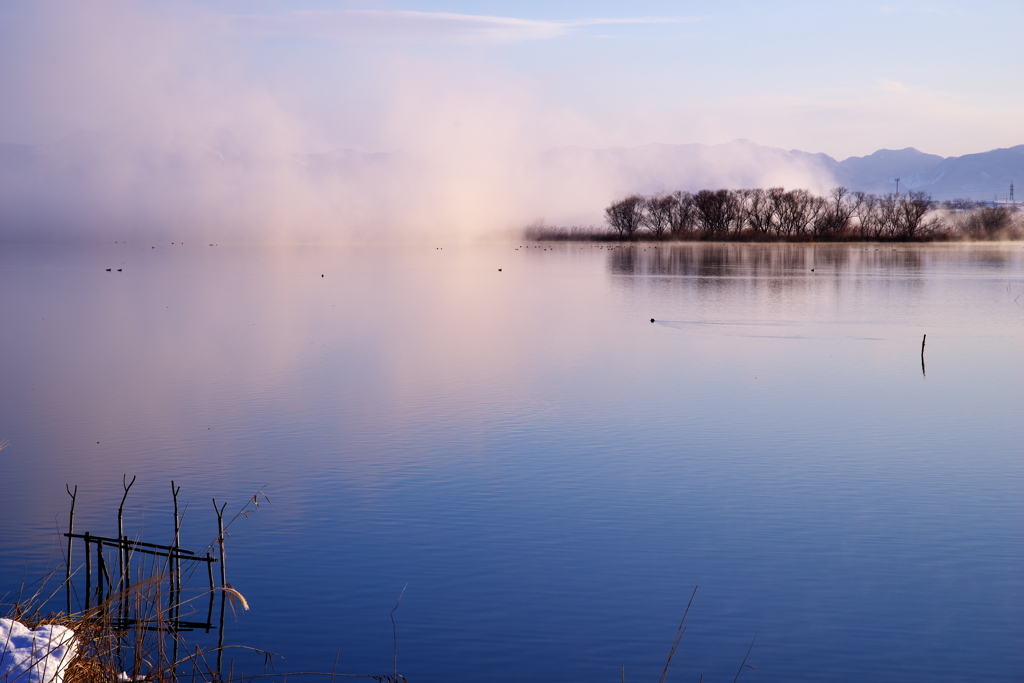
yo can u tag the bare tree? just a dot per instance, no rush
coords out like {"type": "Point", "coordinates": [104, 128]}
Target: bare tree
{"type": "Point", "coordinates": [913, 207]}
{"type": "Point", "coordinates": [890, 219]}
{"type": "Point", "coordinates": [815, 210]}
{"type": "Point", "coordinates": [683, 216]}
{"type": "Point", "coordinates": [658, 214]}
{"type": "Point", "coordinates": [792, 214]}
{"type": "Point", "coordinates": [625, 215]}
{"type": "Point", "coordinates": [716, 211]}
{"type": "Point", "coordinates": [835, 220]}
{"type": "Point", "coordinates": [759, 209]}
{"type": "Point", "coordinates": [960, 204]}
{"type": "Point", "coordinates": [866, 210]}
{"type": "Point", "coordinates": [991, 223]}
{"type": "Point", "coordinates": [777, 201]}
{"type": "Point", "coordinates": [797, 210]}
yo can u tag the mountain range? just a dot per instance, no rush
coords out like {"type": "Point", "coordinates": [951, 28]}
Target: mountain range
{"type": "Point", "coordinates": [658, 168]}
{"type": "Point", "coordinates": [90, 185]}
{"type": "Point", "coordinates": [646, 169]}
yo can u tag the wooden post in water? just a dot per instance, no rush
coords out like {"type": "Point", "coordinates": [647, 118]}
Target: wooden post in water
{"type": "Point", "coordinates": [122, 550]}
{"type": "Point", "coordinates": [88, 572]}
{"type": "Point", "coordinates": [220, 543]}
{"type": "Point", "coordinates": [174, 564]}
{"type": "Point", "coordinates": [223, 582]}
{"type": "Point", "coordinates": [104, 582]}
{"type": "Point", "coordinates": [209, 572]}
{"type": "Point", "coordinates": [71, 530]}
{"type": "Point", "coordinates": [172, 558]}
{"type": "Point", "coordinates": [126, 609]}
{"type": "Point", "coordinates": [923, 340]}
{"type": "Point", "coordinates": [101, 570]}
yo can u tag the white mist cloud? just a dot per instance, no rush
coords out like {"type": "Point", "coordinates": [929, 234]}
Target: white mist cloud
{"type": "Point", "coordinates": [178, 137]}
{"type": "Point", "coordinates": [892, 86]}
{"type": "Point", "coordinates": [184, 120]}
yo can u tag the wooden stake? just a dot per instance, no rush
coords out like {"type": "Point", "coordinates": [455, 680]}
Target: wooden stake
{"type": "Point", "coordinates": [71, 530]}
{"type": "Point", "coordinates": [120, 523]}
{"type": "Point", "coordinates": [223, 581]}
{"type": "Point", "coordinates": [127, 583]}
{"type": "Point", "coordinates": [88, 571]}
{"type": "Point", "coordinates": [209, 611]}
{"type": "Point", "coordinates": [122, 548]}
{"type": "Point", "coordinates": [220, 541]}
{"type": "Point", "coordinates": [394, 629]}
{"type": "Point", "coordinates": [923, 339]}
{"type": "Point", "coordinates": [101, 573]}
{"type": "Point", "coordinates": [172, 558]}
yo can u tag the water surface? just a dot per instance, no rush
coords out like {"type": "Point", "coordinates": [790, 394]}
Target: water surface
{"type": "Point", "coordinates": [550, 472]}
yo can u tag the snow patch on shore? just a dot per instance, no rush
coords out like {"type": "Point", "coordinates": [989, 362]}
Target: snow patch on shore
{"type": "Point", "coordinates": [34, 656]}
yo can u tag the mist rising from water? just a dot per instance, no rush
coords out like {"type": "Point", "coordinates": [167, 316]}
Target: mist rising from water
{"type": "Point", "coordinates": [170, 128]}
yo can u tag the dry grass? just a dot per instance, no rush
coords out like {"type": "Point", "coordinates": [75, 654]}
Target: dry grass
{"type": "Point", "coordinates": [145, 647]}
{"type": "Point", "coordinates": [139, 634]}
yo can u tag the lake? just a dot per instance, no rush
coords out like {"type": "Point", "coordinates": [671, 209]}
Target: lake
{"type": "Point", "coordinates": [502, 429]}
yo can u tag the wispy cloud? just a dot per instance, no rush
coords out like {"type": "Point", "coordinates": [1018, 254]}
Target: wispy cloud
{"type": "Point", "coordinates": [922, 9]}
{"type": "Point", "coordinates": [411, 26]}
{"type": "Point", "coordinates": [892, 86]}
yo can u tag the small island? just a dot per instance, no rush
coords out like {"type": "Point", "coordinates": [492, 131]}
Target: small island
{"type": "Point", "coordinates": [779, 215]}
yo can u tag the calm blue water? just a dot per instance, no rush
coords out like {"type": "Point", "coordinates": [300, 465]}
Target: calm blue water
{"type": "Point", "coordinates": [549, 472]}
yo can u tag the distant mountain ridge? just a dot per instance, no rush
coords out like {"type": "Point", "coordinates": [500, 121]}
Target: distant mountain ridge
{"type": "Point", "coordinates": [877, 172]}
{"type": "Point", "coordinates": [110, 184]}
{"type": "Point", "coordinates": [647, 169]}
{"type": "Point", "coordinates": [741, 163]}
{"type": "Point", "coordinates": [982, 176]}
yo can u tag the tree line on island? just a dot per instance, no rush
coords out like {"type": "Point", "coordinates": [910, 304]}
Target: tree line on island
{"type": "Point", "coordinates": [777, 214]}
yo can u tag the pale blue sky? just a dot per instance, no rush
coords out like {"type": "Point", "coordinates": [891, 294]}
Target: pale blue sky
{"type": "Point", "coordinates": [844, 78]}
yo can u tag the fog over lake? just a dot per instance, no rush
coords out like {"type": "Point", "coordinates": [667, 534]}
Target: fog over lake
{"type": "Point", "coordinates": [503, 428]}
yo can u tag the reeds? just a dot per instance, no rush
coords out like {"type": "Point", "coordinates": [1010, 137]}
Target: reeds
{"type": "Point", "coordinates": [130, 624]}
{"type": "Point", "coordinates": [133, 625]}
{"type": "Point", "coordinates": [149, 645]}
{"type": "Point", "coordinates": [147, 651]}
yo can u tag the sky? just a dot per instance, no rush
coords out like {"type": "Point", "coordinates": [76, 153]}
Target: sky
{"type": "Point", "coordinates": [843, 78]}
{"type": "Point", "coordinates": [475, 84]}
